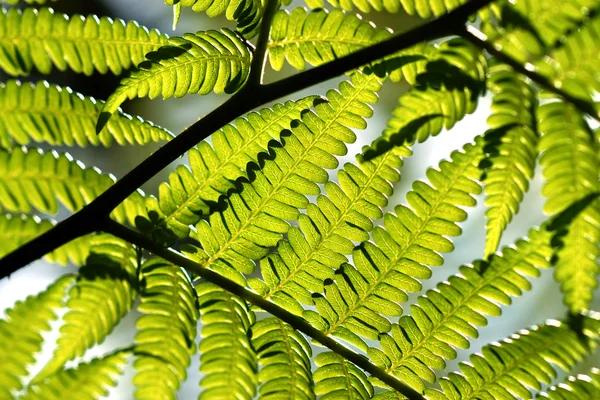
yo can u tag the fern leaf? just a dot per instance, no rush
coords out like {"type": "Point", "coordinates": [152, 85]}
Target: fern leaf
{"type": "Point", "coordinates": [247, 14]}
{"type": "Point", "coordinates": [164, 342]}
{"type": "Point", "coordinates": [321, 36]}
{"type": "Point", "coordinates": [103, 294]}
{"type": "Point", "coordinates": [357, 302]}
{"type": "Point", "coordinates": [15, 231]}
{"type": "Point", "coordinates": [284, 356]}
{"type": "Point", "coordinates": [571, 166]}
{"type": "Point", "coordinates": [31, 178]}
{"type": "Point", "coordinates": [528, 29]}
{"type": "Point", "coordinates": [88, 381]}
{"type": "Point", "coordinates": [28, 1]}
{"type": "Point", "coordinates": [445, 93]}
{"type": "Point", "coordinates": [48, 113]}
{"type": "Point", "coordinates": [193, 64]}
{"type": "Point", "coordinates": [327, 232]}
{"type": "Point", "coordinates": [448, 315]}
{"type": "Point", "coordinates": [254, 216]}
{"type": "Point", "coordinates": [21, 333]}
{"type": "Point", "coordinates": [580, 387]}
{"type": "Point", "coordinates": [227, 358]}
{"type": "Point", "coordinates": [509, 369]}
{"type": "Point", "coordinates": [337, 378]}
{"type": "Point", "coordinates": [42, 39]}
{"type": "Point", "coordinates": [422, 8]}
{"type": "Point", "coordinates": [213, 169]}
{"type": "Point", "coordinates": [511, 144]}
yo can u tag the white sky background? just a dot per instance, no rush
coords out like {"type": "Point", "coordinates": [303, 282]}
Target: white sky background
{"type": "Point", "coordinates": [543, 302]}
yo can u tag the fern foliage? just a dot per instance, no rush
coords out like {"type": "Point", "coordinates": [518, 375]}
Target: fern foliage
{"type": "Point", "coordinates": [445, 92]}
{"type": "Point", "coordinates": [571, 168]}
{"type": "Point", "coordinates": [338, 378]}
{"type": "Point", "coordinates": [103, 293]}
{"type": "Point", "coordinates": [34, 179]}
{"type": "Point", "coordinates": [360, 297]}
{"type": "Point", "coordinates": [87, 381]}
{"type": "Point", "coordinates": [284, 355]}
{"type": "Point", "coordinates": [42, 112]}
{"type": "Point", "coordinates": [193, 64]}
{"type": "Point", "coordinates": [421, 8]}
{"type": "Point", "coordinates": [255, 216]}
{"type": "Point", "coordinates": [166, 333]}
{"type": "Point", "coordinates": [580, 387]}
{"type": "Point", "coordinates": [19, 229]}
{"type": "Point", "coordinates": [43, 39]}
{"type": "Point", "coordinates": [21, 333]}
{"type": "Point", "coordinates": [511, 144]}
{"type": "Point", "coordinates": [227, 360]}
{"type": "Point", "coordinates": [328, 231]}
{"type": "Point", "coordinates": [524, 361]}
{"type": "Point", "coordinates": [445, 317]}
{"type": "Point", "coordinates": [247, 14]}
{"type": "Point", "coordinates": [213, 169]}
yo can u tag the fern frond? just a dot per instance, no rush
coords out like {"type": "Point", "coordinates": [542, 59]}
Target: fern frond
{"type": "Point", "coordinates": [193, 64]}
{"type": "Point", "coordinates": [445, 317]}
{"type": "Point", "coordinates": [521, 362]}
{"type": "Point", "coordinates": [357, 302]}
{"type": "Point", "coordinates": [571, 167]}
{"type": "Point", "coordinates": [284, 355]}
{"type": "Point", "coordinates": [213, 169]}
{"type": "Point", "coordinates": [321, 36]}
{"type": "Point", "coordinates": [48, 113]}
{"type": "Point", "coordinates": [511, 147]}
{"type": "Point", "coordinates": [227, 359]}
{"type": "Point", "coordinates": [21, 333]}
{"type": "Point", "coordinates": [526, 29]}
{"type": "Point", "coordinates": [88, 381]}
{"type": "Point", "coordinates": [103, 293]}
{"type": "Point", "coordinates": [422, 8]}
{"type": "Point", "coordinates": [337, 378]}
{"type": "Point", "coordinates": [247, 13]}
{"type": "Point", "coordinates": [32, 178]}
{"type": "Point", "coordinates": [254, 216]}
{"type": "Point", "coordinates": [164, 342]}
{"type": "Point", "coordinates": [42, 39]}
{"type": "Point", "coordinates": [327, 232]}
{"type": "Point", "coordinates": [15, 231]}
{"type": "Point", "coordinates": [445, 93]}
{"type": "Point", "coordinates": [580, 387]}
{"type": "Point", "coordinates": [27, 1]}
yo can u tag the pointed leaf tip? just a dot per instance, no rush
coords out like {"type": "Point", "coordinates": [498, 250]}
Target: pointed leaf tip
{"type": "Point", "coordinates": [103, 119]}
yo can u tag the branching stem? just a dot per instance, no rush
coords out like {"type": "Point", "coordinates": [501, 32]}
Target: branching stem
{"type": "Point", "coordinates": [259, 56]}
{"type": "Point", "coordinates": [131, 236]}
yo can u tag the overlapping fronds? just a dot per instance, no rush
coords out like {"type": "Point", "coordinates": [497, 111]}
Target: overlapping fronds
{"type": "Point", "coordinates": [254, 216]}
{"type": "Point", "coordinates": [337, 378]}
{"type": "Point", "coordinates": [445, 93]}
{"type": "Point", "coordinates": [445, 317]}
{"type": "Point", "coordinates": [42, 39]}
{"type": "Point", "coordinates": [328, 231]}
{"type": "Point", "coordinates": [572, 64]}
{"type": "Point", "coordinates": [164, 342]}
{"type": "Point", "coordinates": [571, 168]}
{"type": "Point", "coordinates": [511, 147]}
{"type": "Point", "coordinates": [321, 36]}
{"type": "Point", "coordinates": [213, 169]}
{"type": "Point", "coordinates": [527, 29]}
{"type": "Point", "coordinates": [284, 356]}
{"type": "Point", "coordinates": [422, 8]}
{"type": "Point", "coordinates": [580, 387]}
{"type": "Point", "coordinates": [17, 230]}
{"type": "Point", "coordinates": [247, 13]}
{"type": "Point", "coordinates": [227, 358]}
{"type": "Point", "coordinates": [21, 333]}
{"type": "Point", "coordinates": [32, 178]}
{"type": "Point", "coordinates": [521, 362]}
{"type": "Point", "coordinates": [360, 297]}
{"type": "Point", "coordinates": [103, 294]}
{"type": "Point", "coordinates": [48, 113]}
{"type": "Point", "coordinates": [87, 381]}
{"type": "Point", "coordinates": [193, 64]}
